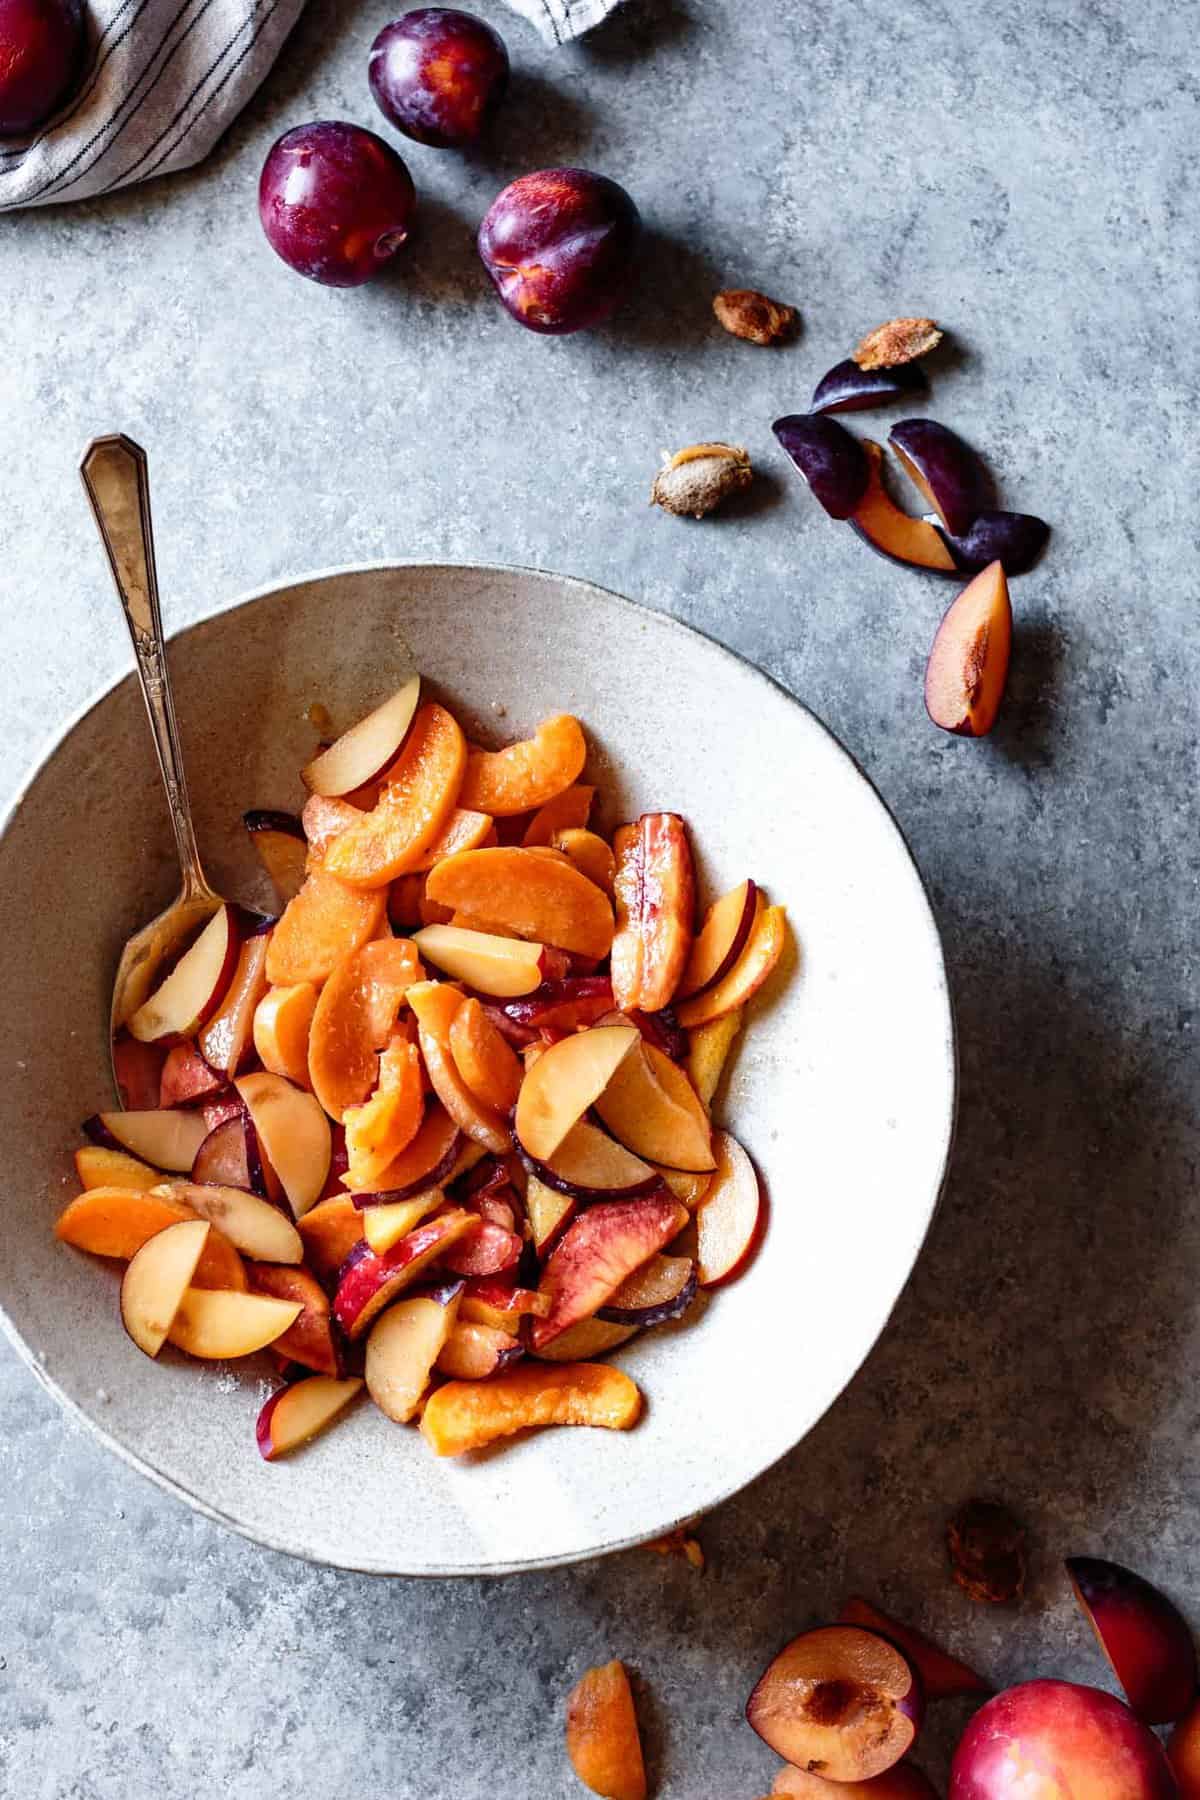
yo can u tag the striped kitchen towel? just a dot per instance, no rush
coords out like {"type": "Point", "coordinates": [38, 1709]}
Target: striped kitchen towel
{"type": "Point", "coordinates": [165, 78]}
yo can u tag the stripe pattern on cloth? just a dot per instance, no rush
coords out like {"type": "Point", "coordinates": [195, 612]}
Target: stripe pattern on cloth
{"type": "Point", "coordinates": [560, 20]}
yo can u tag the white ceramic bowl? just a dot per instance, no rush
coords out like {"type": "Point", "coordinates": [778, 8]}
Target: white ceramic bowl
{"type": "Point", "coordinates": [843, 1089]}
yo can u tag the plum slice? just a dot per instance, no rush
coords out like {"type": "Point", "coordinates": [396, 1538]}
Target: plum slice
{"type": "Point", "coordinates": [944, 468]}
{"type": "Point", "coordinates": [661, 1289]}
{"type": "Point", "coordinates": [1143, 1635]}
{"type": "Point", "coordinates": [603, 1742]}
{"type": "Point", "coordinates": [1014, 539]}
{"type": "Point", "coordinates": [849, 388]}
{"type": "Point", "coordinates": [968, 664]}
{"type": "Point", "coordinates": [833, 463]}
{"type": "Point", "coordinates": [838, 1702]}
{"type": "Point", "coordinates": [596, 1254]}
{"type": "Point", "coordinates": [589, 1165]}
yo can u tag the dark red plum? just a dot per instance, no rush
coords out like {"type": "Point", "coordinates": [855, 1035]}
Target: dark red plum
{"type": "Point", "coordinates": [833, 463]}
{"type": "Point", "coordinates": [1015, 540]}
{"type": "Point", "coordinates": [847, 388]}
{"type": "Point", "coordinates": [335, 202]}
{"type": "Point", "coordinates": [1143, 1635]}
{"type": "Point", "coordinates": [944, 468]}
{"type": "Point", "coordinates": [41, 54]}
{"type": "Point", "coordinates": [560, 248]}
{"type": "Point", "coordinates": [438, 75]}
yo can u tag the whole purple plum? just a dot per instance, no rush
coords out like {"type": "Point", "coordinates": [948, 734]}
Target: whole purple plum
{"type": "Point", "coordinates": [41, 51]}
{"type": "Point", "coordinates": [335, 202]}
{"type": "Point", "coordinates": [438, 75]}
{"type": "Point", "coordinates": [560, 248]}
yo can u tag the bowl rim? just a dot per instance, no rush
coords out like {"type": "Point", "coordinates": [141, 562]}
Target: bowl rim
{"type": "Point", "coordinates": [383, 565]}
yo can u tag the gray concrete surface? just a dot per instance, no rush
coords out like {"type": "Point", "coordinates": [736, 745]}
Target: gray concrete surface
{"type": "Point", "coordinates": [1027, 173]}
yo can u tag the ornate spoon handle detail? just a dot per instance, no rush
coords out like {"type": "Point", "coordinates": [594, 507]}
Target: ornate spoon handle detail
{"type": "Point", "coordinates": [116, 477]}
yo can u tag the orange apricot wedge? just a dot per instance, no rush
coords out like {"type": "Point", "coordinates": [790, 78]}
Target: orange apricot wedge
{"type": "Point", "coordinates": [426, 1161]}
{"type": "Point", "coordinates": [488, 1065]}
{"type": "Point", "coordinates": [383, 1126]}
{"type": "Point", "coordinates": [436, 1006]}
{"type": "Point", "coordinates": [326, 921]}
{"type": "Point", "coordinates": [282, 1023]}
{"type": "Point", "coordinates": [463, 830]}
{"type": "Point", "coordinates": [329, 1231]}
{"type": "Point", "coordinates": [588, 852]}
{"type": "Point", "coordinates": [654, 892]}
{"type": "Point", "coordinates": [603, 1742]}
{"type": "Point", "coordinates": [525, 775]}
{"type": "Point", "coordinates": [539, 897]}
{"type": "Point", "coordinates": [468, 1415]}
{"type": "Point", "coordinates": [419, 795]}
{"type": "Point", "coordinates": [118, 1221]}
{"type": "Point", "coordinates": [354, 1019]}
{"type": "Point", "coordinates": [566, 810]}
{"type": "Point", "coordinates": [764, 947]}
{"type": "Point", "coordinates": [98, 1166]}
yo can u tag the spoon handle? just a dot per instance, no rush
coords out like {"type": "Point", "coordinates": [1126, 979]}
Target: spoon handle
{"type": "Point", "coordinates": [116, 476]}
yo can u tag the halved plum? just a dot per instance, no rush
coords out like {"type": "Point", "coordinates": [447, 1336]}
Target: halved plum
{"type": "Point", "coordinates": [1143, 1635]}
{"type": "Point", "coordinates": [838, 1702]}
{"type": "Point", "coordinates": [831, 460]}
{"type": "Point", "coordinates": [849, 388]}
{"type": "Point", "coordinates": [943, 468]}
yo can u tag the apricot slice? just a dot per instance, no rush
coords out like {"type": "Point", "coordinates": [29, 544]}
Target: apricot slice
{"type": "Point", "coordinates": [427, 1162]}
{"type": "Point", "coordinates": [354, 1019]}
{"type": "Point", "coordinates": [763, 950]}
{"type": "Point", "coordinates": [588, 853]}
{"type": "Point", "coordinates": [651, 1107]}
{"type": "Point", "coordinates": [968, 664]}
{"type": "Point", "coordinates": [486, 1063]}
{"type": "Point", "coordinates": [325, 819]}
{"type": "Point", "coordinates": [326, 921]}
{"type": "Point", "coordinates": [942, 1675]}
{"type": "Point", "coordinates": [525, 775]}
{"type": "Point", "coordinates": [566, 810]}
{"type": "Point", "coordinates": [654, 892]}
{"type": "Point", "coordinates": [282, 1022]}
{"type": "Point", "coordinates": [562, 1084]}
{"type": "Point", "coordinates": [463, 830]}
{"type": "Point", "coordinates": [602, 1734]}
{"type": "Point", "coordinates": [118, 1221]}
{"type": "Point", "coordinates": [708, 1051]}
{"type": "Point", "coordinates": [329, 1233]}
{"type": "Point", "coordinates": [419, 794]}
{"type": "Point", "coordinates": [97, 1166]}
{"type": "Point", "coordinates": [436, 1006]}
{"type": "Point", "coordinates": [383, 1126]}
{"type": "Point", "coordinates": [721, 938]}
{"type": "Point", "coordinates": [596, 1254]}
{"type": "Point", "coordinates": [539, 897]}
{"type": "Point", "coordinates": [468, 1415]}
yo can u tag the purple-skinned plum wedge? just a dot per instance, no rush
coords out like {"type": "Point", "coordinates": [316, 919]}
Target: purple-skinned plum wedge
{"type": "Point", "coordinates": [560, 248]}
{"type": "Point", "coordinates": [839, 1702]}
{"type": "Point", "coordinates": [946, 471]}
{"type": "Point", "coordinates": [1014, 539]}
{"type": "Point", "coordinates": [847, 388]}
{"type": "Point", "coordinates": [1143, 1635]}
{"type": "Point", "coordinates": [833, 463]}
{"type": "Point", "coordinates": [661, 1289]}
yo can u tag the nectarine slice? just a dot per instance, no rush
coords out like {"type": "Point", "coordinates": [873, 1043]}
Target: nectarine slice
{"type": "Point", "coordinates": [226, 1039]}
{"type": "Point", "coordinates": [368, 748]}
{"type": "Point", "coordinates": [485, 1061]}
{"type": "Point", "coordinates": [369, 1282]}
{"type": "Point", "coordinates": [98, 1167]}
{"type": "Point", "coordinates": [418, 797]}
{"type": "Point", "coordinates": [310, 1340]}
{"type": "Point", "coordinates": [383, 1126]}
{"type": "Point", "coordinates": [598, 1252]}
{"type": "Point", "coordinates": [505, 967]}
{"type": "Point", "coordinates": [215, 1325]}
{"type": "Point", "coordinates": [354, 1018]}
{"type": "Point", "coordinates": [156, 1280]}
{"type": "Point", "coordinates": [118, 1221]}
{"type": "Point", "coordinates": [463, 830]}
{"type": "Point", "coordinates": [651, 1107]}
{"type": "Point", "coordinates": [186, 1077]}
{"type": "Point", "coordinates": [469, 1415]}
{"type": "Point", "coordinates": [839, 1702]}
{"type": "Point", "coordinates": [566, 811]}
{"type": "Point", "coordinates": [563, 1083]}
{"type": "Point", "coordinates": [654, 893]}
{"type": "Point", "coordinates": [968, 664]}
{"type": "Point", "coordinates": [403, 1346]}
{"type": "Point", "coordinates": [588, 853]}
{"type": "Point", "coordinates": [540, 897]}
{"type": "Point", "coordinates": [326, 921]}
{"type": "Point", "coordinates": [282, 1022]}
{"type": "Point", "coordinates": [942, 1676]}
{"type": "Point", "coordinates": [721, 938]}
{"type": "Point", "coordinates": [708, 1052]}
{"type": "Point", "coordinates": [251, 1224]}
{"type": "Point", "coordinates": [330, 1231]}
{"type": "Point", "coordinates": [525, 775]}
{"type": "Point", "coordinates": [296, 1413]}
{"type": "Point", "coordinates": [730, 1218]}
{"type": "Point", "coordinates": [896, 534]}
{"type": "Point", "coordinates": [763, 950]}
{"type": "Point", "coordinates": [436, 1006]}
{"type": "Point", "coordinates": [603, 1742]}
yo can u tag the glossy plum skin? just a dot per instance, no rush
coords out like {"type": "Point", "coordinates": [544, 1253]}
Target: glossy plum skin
{"type": "Point", "coordinates": [1143, 1635]}
{"type": "Point", "coordinates": [833, 463]}
{"type": "Point", "coordinates": [847, 388]}
{"type": "Point", "coordinates": [335, 202]}
{"type": "Point", "coordinates": [1014, 539]}
{"type": "Point", "coordinates": [560, 248]}
{"type": "Point", "coordinates": [1054, 1740]}
{"type": "Point", "coordinates": [438, 75]}
{"type": "Point", "coordinates": [945, 469]}
{"type": "Point", "coordinates": [41, 50]}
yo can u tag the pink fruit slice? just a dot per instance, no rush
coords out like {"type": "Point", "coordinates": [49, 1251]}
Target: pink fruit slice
{"type": "Point", "coordinates": [156, 1280]}
{"type": "Point", "coordinates": [651, 1107]}
{"type": "Point", "coordinates": [294, 1134]}
{"type": "Point", "coordinates": [279, 843]}
{"type": "Point", "coordinates": [296, 1413]}
{"type": "Point", "coordinates": [403, 1346]}
{"type": "Point", "coordinates": [564, 1082]}
{"type": "Point", "coordinates": [1143, 1635]}
{"type": "Point", "coordinates": [138, 1070]}
{"type": "Point", "coordinates": [654, 894]}
{"type": "Point", "coordinates": [721, 938]}
{"type": "Point", "coordinates": [503, 967]}
{"type": "Point", "coordinates": [839, 1702]}
{"type": "Point", "coordinates": [216, 1324]}
{"type": "Point", "coordinates": [251, 1224]}
{"type": "Point", "coordinates": [968, 664]}
{"type": "Point", "coordinates": [596, 1254]}
{"type": "Point", "coordinates": [730, 1218]}
{"type": "Point", "coordinates": [368, 1282]}
{"type": "Point", "coordinates": [192, 991]}
{"type": "Point", "coordinates": [187, 1078]}
{"type": "Point", "coordinates": [367, 749]}
{"type": "Point", "coordinates": [167, 1137]}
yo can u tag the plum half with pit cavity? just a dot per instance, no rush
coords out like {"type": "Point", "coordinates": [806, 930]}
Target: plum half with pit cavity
{"type": "Point", "coordinates": [839, 1702]}
{"type": "Point", "coordinates": [847, 388]}
{"type": "Point", "coordinates": [833, 463]}
{"type": "Point", "coordinates": [944, 468]}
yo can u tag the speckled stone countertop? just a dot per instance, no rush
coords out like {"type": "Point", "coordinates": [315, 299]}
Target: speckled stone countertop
{"type": "Point", "coordinates": [1026, 173]}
